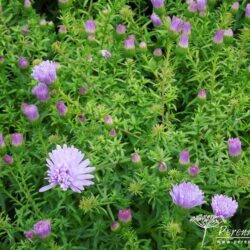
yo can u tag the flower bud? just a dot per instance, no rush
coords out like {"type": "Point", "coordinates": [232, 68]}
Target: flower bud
{"type": "Point", "coordinates": [235, 6]}
{"type": "Point", "coordinates": [62, 29]}
{"type": "Point", "coordinates": [90, 26]}
{"type": "Point", "coordinates": [193, 170]}
{"type": "Point", "coordinates": [218, 37]}
{"type": "Point", "coordinates": [23, 63]}
{"type": "Point", "coordinates": [135, 158]}
{"type": "Point", "coordinates": [27, 4]}
{"type": "Point", "coordinates": [234, 147]}
{"type": "Point", "coordinates": [30, 111]}
{"type": "Point", "coordinates": [247, 13]}
{"type": "Point", "coordinates": [176, 24]}
{"type": "Point", "coordinates": [183, 43]}
{"type": "Point", "coordinates": [143, 46]}
{"type": "Point", "coordinates": [17, 139]}
{"type": "Point", "coordinates": [115, 226]}
{"type": "Point", "coordinates": [202, 95]}
{"type": "Point", "coordinates": [106, 54]}
{"type": "Point", "coordinates": [125, 216]}
{"type": "Point", "coordinates": [1, 60]}
{"type": "Point", "coordinates": [184, 157]}
{"type": "Point", "coordinates": [120, 29]}
{"type": "Point", "coordinates": [163, 167]}
{"type": "Point", "coordinates": [158, 52]}
{"type": "Point", "coordinates": [113, 132]}
{"type": "Point", "coordinates": [61, 108]}
{"type": "Point", "coordinates": [25, 30]}
{"type": "Point", "coordinates": [2, 143]}
{"type": "Point", "coordinates": [156, 20]}
{"type": "Point", "coordinates": [8, 159]}
{"type": "Point", "coordinates": [29, 234]}
{"type": "Point", "coordinates": [42, 229]}
{"type": "Point", "coordinates": [108, 120]}
{"type": "Point", "coordinates": [82, 118]}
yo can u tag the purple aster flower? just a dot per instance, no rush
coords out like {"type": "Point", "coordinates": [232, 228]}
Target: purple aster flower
{"type": "Point", "coordinates": [193, 170]}
{"type": "Point", "coordinates": [62, 29]}
{"type": "Point", "coordinates": [42, 228]}
{"type": "Point", "coordinates": [30, 111]}
{"type": "Point", "coordinates": [45, 72]}
{"type": "Point", "coordinates": [176, 24]}
{"type": "Point", "coordinates": [120, 29]}
{"type": "Point", "coordinates": [68, 170]}
{"type": "Point", "coordinates": [27, 3]}
{"type": "Point", "coordinates": [125, 215]}
{"type": "Point", "coordinates": [129, 43]}
{"type": "Point", "coordinates": [162, 167]}
{"type": "Point", "coordinates": [113, 132]}
{"type": "Point", "coordinates": [235, 6]}
{"type": "Point", "coordinates": [228, 32]}
{"type": "Point", "coordinates": [23, 63]}
{"type": "Point", "coordinates": [17, 139]}
{"type": "Point", "coordinates": [183, 43]}
{"type": "Point", "coordinates": [2, 143]}
{"type": "Point", "coordinates": [234, 147]}
{"type": "Point", "coordinates": [223, 206]}
{"type": "Point", "coordinates": [108, 120]}
{"type": "Point", "coordinates": [61, 108]}
{"type": "Point", "coordinates": [158, 52]}
{"type": "Point", "coordinates": [187, 28]}
{"type": "Point", "coordinates": [135, 158]}
{"type": "Point", "coordinates": [202, 94]}
{"type": "Point", "coordinates": [82, 90]}
{"type": "Point", "coordinates": [187, 195]}
{"type": "Point", "coordinates": [201, 4]}
{"type": "Point", "coordinates": [8, 159]}
{"type": "Point", "coordinates": [193, 7]}
{"type": "Point", "coordinates": [157, 3]}
{"type": "Point", "coordinates": [25, 30]}
{"type": "Point", "coordinates": [90, 26]}
{"type": "Point", "coordinates": [218, 37]}
{"type": "Point", "coordinates": [156, 20]}
{"type": "Point", "coordinates": [41, 91]}
{"type": "Point", "coordinates": [247, 11]}
{"type": "Point", "coordinates": [184, 157]}
{"type": "Point", "coordinates": [105, 53]}
{"type": "Point", "coordinates": [115, 226]}
{"type": "Point", "coordinates": [29, 234]}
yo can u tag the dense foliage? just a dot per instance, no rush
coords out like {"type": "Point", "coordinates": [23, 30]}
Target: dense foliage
{"type": "Point", "coordinates": [129, 112]}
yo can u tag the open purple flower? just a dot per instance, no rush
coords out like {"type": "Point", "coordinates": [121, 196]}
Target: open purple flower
{"type": "Point", "coordinates": [41, 91]}
{"type": "Point", "coordinates": [8, 159]}
{"type": "Point", "coordinates": [42, 228]}
{"type": "Point", "coordinates": [223, 206]}
{"type": "Point", "coordinates": [234, 147]}
{"type": "Point", "coordinates": [187, 195]}
{"type": "Point", "coordinates": [68, 169]}
{"type": "Point", "coordinates": [45, 72]}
